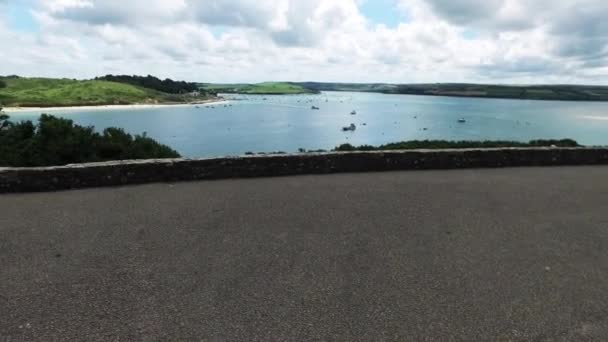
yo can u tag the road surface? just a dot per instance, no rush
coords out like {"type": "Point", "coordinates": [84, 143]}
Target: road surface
{"type": "Point", "coordinates": [467, 255]}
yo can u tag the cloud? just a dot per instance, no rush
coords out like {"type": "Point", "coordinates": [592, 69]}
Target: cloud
{"type": "Point", "coordinates": [328, 40]}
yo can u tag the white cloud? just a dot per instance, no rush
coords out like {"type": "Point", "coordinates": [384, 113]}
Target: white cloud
{"type": "Point", "coordinates": [326, 40]}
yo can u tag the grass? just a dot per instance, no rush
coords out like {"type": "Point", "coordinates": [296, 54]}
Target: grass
{"type": "Point", "coordinates": [266, 88]}
{"type": "Point", "coordinates": [49, 92]}
{"type": "Point", "coordinates": [445, 144]}
{"type": "Point", "coordinates": [524, 92]}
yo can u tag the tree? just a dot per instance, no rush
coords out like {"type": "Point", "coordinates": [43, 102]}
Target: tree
{"type": "Point", "coordinates": [2, 84]}
{"type": "Point", "coordinates": [166, 86]}
{"type": "Point", "coordinates": [3, 120]}
{"type": "Point", "coordinates": [58, 141]}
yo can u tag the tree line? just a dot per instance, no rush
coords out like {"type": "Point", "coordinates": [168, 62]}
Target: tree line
{"type": "Point", "coordinates": [166, 86]}
{"type": "Point", "coordinates": [56, 141]}
{"type": "Point", "coordinates": [446, 144]}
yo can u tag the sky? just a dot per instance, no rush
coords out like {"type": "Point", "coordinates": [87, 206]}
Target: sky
{"type": "Point", "coordinates": [395, 41]}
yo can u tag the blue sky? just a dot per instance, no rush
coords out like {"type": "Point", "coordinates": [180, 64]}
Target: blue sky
{"type": "Point", "coordinates": [505, 41]}
{"type": "Point", "coordinates": [383, 12]}
{"type": "Point", "coordinates": [20, 16]}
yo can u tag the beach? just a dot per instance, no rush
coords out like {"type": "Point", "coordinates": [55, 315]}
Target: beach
{"type": "Point", "coordinates": [17, 110]}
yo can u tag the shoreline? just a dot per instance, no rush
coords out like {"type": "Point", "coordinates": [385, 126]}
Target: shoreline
{"type": "Point", "coordinates": [29, 110]}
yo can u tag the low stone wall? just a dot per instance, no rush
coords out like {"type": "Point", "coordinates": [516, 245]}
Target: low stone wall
{"type": "Point", "coordinates": [173, 170]}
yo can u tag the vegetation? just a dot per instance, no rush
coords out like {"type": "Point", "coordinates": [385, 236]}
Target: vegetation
{"type": "Point", "coordinates": [267, 88]}
{"type": "Point", "coordinates": [2, 84]}
{"type": "Point", "coordinates": [536, 92]}
{"type": "Point", "coordinates": [444, 144]}
{"type": "Point", "coordinates": [56, 141]}
{"type": "Point", "coordinates": [541, 92]}
{"type": "Point", "coordinates": [150, 82]}
{"type": "Point", "coordinates": [354, 87]}
{"type": "Point", "coordinates": [49, 92]}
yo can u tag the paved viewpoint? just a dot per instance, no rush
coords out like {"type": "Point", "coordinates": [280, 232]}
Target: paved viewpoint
{"type": "Point", "coordinates": [471, 255]}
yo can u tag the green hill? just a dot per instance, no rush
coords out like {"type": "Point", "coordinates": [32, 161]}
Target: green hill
{"type": "Point", "coordinates": [49, 92]}
{"type": "Point", "coordinates": [520, 92]}
{"type": "Point", "coordinates": [266, 88]}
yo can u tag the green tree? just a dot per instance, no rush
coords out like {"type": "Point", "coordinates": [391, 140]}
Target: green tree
{"type": "Point", "coordinates": [58, 141]}
{"type": "Point", "coordinates": [3, 119]}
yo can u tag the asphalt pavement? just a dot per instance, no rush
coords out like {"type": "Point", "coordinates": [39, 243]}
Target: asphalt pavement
{"type": "Point", "coordinates": [467, 255]}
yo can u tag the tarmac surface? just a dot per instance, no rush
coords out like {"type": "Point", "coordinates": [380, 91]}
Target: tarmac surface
{"type": "Point", "coordinates": [466, 255]}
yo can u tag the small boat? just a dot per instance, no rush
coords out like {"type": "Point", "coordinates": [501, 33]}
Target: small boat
{"type": "Point", "coordinates": [315, 108]}
{"type": "Point", "coordinates": [350, 128]}
{"type": "Point", "coordinates": [354, 112]}
{"type": "Point", "coordinates": [463, 120]}
{"type": "Point", "coordinates": [197, 107]}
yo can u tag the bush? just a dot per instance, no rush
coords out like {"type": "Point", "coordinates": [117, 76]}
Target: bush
{"type": "Point", "coordinates": [445, 144]}
{"type": "Point", "coordinates": [2, 84]}
{"type": "Point", "coordinates": [57, 141]}
{"type": "Point", "coordinates": [166, 86]}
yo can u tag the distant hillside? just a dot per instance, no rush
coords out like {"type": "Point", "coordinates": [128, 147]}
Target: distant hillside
{"type": "Point", "coordinates": [49, 92]}
{"type": "Point", "coordinates": [150, 82]}
{"type": "Point", "coordinates": [267, 88]}
{"type": "Point", "coordinates": [524, 92]}
{"type": "Point", "coordinates": [357, 87]}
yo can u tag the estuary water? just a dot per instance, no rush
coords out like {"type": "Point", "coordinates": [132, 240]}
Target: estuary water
{"type": "Point", "coordinates": [260, 123]}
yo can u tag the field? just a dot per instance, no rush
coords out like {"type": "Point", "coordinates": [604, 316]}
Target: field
{"type": "Point", "coordinates": [523, 92]}
{"type": "Point", "coordinates": [266, 88]}
{"type": "Point", "coordinates": [47, 92]}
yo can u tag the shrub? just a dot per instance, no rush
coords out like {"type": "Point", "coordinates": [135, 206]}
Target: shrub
{"type": "Point", "coordinates": [166, 86]}
{"type": "Point", "coordinates": [57, 141]}
{"type": "Point", "coordinates": [445, 144]}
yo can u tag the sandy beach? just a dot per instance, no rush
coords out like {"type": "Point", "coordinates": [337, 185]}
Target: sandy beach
{"type": "Point", "coordinates": [17, 110]}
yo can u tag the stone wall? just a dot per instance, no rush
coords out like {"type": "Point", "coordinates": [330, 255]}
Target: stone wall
{"type": "Point", "coordinates": [173, 170]}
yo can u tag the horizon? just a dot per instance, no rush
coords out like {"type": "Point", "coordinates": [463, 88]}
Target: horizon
{"type": "Point", "coordinates": [340, 82]}
{"type": "Point", "coordinates": [502, 42]}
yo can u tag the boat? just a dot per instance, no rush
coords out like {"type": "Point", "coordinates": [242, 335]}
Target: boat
{"type": "Point", "coordinates": [350, 128]}
{"type": "Point", "coordinates": [354, 112]}
{"type": "Point", "coordinates": [315, 108]}
{"type": "Point", "coordinates": [463, 120]}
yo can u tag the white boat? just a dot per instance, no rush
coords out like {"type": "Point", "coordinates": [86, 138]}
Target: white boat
{"type": "Point", "coordinates": [354, 112]}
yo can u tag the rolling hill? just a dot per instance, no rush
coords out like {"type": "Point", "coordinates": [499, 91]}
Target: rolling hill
{"type": "Point", "coordinates": [521, 92]}
{"type": "Point", "coordinates": [50, 92]}
{"type": "Point", "coordinates": [266, 88]}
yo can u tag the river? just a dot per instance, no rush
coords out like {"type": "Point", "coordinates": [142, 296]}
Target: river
{"type": "Point", "coordinates": [248, 123]}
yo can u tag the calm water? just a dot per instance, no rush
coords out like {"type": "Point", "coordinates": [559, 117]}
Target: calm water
{"type": "Point", "coordinates": [286, 123]}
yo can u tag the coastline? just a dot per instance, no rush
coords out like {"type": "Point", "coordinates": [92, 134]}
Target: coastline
{"type": "Point", "coordinates": [29, 110]}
